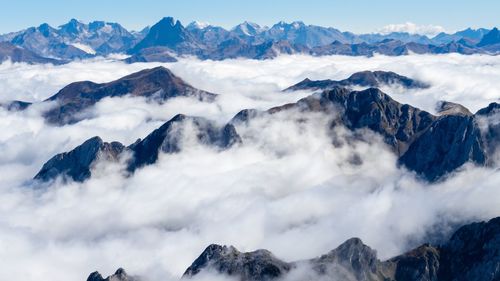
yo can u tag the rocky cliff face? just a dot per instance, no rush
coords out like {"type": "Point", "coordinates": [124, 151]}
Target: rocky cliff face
{"type": "Point", "coordinates": [372, 79]}
{"type": "Point", "coordinates": [78, 163]}
{"type": "Point", "coordinates": [257, 265]}
{"type": "Point", "coordinates": [119, 275]}
{"type": "Point", "coordinates": [157, 85]}
{"type": "Point", "coordinates": [472, 253]}
{"type": "Point", "coordinates": [432, 146]}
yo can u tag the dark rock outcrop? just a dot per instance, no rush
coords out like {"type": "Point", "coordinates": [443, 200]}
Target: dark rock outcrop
{"type": "Point", "coordinates": [490, 38]}
{"type": "Point", "coordinates": [472, 253]}
{"type": "Point", "coordinates": [430, 145]}
{"type": "Point", "coordinates": [14, 53]}
{"type": "Point", "coordinates": [171, 34]}
{"type": "Point", "coordinates": [257, 265]}
{"type": "Point", "coordinates": [78, 163]}
{"type": "Point", "coordinates": [119, 275]}
{"type": "Point", "coordinates": [447, 144]}
{"type": "Point", "coordinates": [372, 79]}
{"type": "Point", "coordinates": [168, 138]}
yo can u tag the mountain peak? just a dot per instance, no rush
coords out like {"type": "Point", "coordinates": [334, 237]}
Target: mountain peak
{"type": "Point", "coordinates": [167, 20]}
{"type": "Point", "coordinates": [197, 25]}
{"type": "Point", "coordinates": [490, 38]}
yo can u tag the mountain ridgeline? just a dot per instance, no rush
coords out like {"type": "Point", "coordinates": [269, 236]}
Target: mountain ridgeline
{"type": "Point", "coordinates": [168, 38]}
{"type": "Point", "coordinates": [432, 146]}
{"type": "Point", "coordinates": [472, 253]}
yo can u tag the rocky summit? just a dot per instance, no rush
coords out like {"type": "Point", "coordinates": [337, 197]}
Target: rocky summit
{"type": "Point", "coordinates": [472, 253]}
{"type": "Point", "coordinates": [77, 164]}
{"type": "Point", "coordinates": [157, 85]}
{"type": "Point", "coordinates": [432, 146]}
{"type": "Point", "coordinates": [372, 79]}
{"type": "Point", "coordinates": [169, 38]}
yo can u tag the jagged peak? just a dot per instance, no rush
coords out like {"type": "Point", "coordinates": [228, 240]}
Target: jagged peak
{"type": "Point", "coordinates": [451, 108]}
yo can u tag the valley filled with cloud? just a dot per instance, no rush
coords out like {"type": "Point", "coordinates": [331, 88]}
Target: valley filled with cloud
{"type": "Point", "coordinates": [287, 187]}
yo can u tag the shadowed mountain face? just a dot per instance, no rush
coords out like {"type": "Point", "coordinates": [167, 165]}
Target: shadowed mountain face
{"type": "Point", "coordinates": [247, 266]}
{"type": "Point", "coordinates": [168, 138]}
{"type": "Point", "coordinates": [168, 33]}
{"type": "Point", "coordinates": [429, 145]}
{"type": "Point", "coordinates": [373, 79]}
{"type": "Point", "coordinates": [77, 164]}
{"type": "Point", "coordinates": [472, 253]}
{"type": "Point", "coordinates": [13, 53]}
{"type": "Point", "coordinates": [77, 40]}
{"type": "Point", "coordinates": [491, 38]}
{"type": "Point", "coordinates": [157, 84]}
{"type": "Point", "coordinates": [120, 275]}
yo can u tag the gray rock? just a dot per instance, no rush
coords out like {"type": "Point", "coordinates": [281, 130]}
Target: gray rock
{"type": "Point", "coordinates": [119, 275]}
{"type": "Point", "coordinates": [372, 79]}
{"type": "Point", "coordinates": [78, 163]}
{"type": "Point", "coordinates": [252, 266]}
{"type": "Point", "coordinates": [158, 84]}
{"type": "Point", "coordinates": [472, 253]}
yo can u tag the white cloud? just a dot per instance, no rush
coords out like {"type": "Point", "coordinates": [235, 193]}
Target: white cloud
{"type": "Point", "coordinates": [412, 28]}
{"type": "Point", "coordinates": [286, 189]}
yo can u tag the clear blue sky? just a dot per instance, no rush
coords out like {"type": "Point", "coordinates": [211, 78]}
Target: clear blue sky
{"type": "Point", "coordinates": [357, 16]}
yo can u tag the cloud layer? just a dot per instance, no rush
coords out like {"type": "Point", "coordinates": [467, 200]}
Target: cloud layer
{"type": "Point", "coordinates": [287, 189]}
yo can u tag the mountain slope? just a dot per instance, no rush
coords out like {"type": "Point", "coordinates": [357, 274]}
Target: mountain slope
{"type": "Point", "coordinates": [472, 253]}
{"type": "Point", "coordinates": [78, 163]}
{"type": "Point", "coordinates": [432, 146]}
{"type": "Point", "coordinates": [170, 34]}
{"type": "Point", "coordinates": [13, 53]}
{"type": "Point", "coordinates": [157, 84]}
{"type": "Point", "coordinates": [372, 79]}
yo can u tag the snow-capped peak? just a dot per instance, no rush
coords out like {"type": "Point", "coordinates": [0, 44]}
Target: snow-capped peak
{"type": "Point", "coordinates": [198, 25]}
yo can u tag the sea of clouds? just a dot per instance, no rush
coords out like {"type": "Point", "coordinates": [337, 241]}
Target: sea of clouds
{"type": "Point", "coordinates": [286, 188]}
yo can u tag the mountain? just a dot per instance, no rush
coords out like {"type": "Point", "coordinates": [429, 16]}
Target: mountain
{"type": "Point", "coordinates": [391, 47]}
{"type": "Point", "coordinates": [152, 54]}
{"type": "Point", "coordinates": [431, 146]}
{"type": "Point", "coordinates": [169, 38]}
{"type": "Point", "coordinates": [75, 40]}
{"type": "Point", "coordinates": [257, 265]}
{"type": "Point", "coordinates": [119, 275]}
{"type": "Point", "coordinates": [13, 53]}
{"type": "Point", "coordinates": [158, 84]}
{"type": "Point", "coordinates": [168, 139]}
{"type": "Point", "coordinates": [372, 79]}
{"type": "Point", "coordinates": [248, 29]}
{"type": "Point", "coordinates": [78, 163]}
{"type": "Point", "coordinates": [491, 38]}
{"type": "Point", "coordinates": [299, 33]}
{"type": "Point", "coordinates": [170, 34]}
{"type": "Point", "coordinates": [475, 35]}
{"type": "Point", "coordinates": [45, 41]}
{"type": "Point", "coordinates": [400, 36]}
{"type": "Point", "coordinates": [472, 253]}
{"type": "Point", "coordinates": [210, 35]}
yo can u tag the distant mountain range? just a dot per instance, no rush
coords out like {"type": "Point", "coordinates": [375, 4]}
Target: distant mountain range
{"type": "Point", "coordinates": [169, 38]}
{"type": "Point", "coordinates": [430, 145]}
{"type": "Point", "coordinates": [471, 253]}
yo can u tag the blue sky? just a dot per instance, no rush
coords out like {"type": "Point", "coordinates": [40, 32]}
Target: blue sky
{"type": "Point", "coordinates": [357, 16]}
